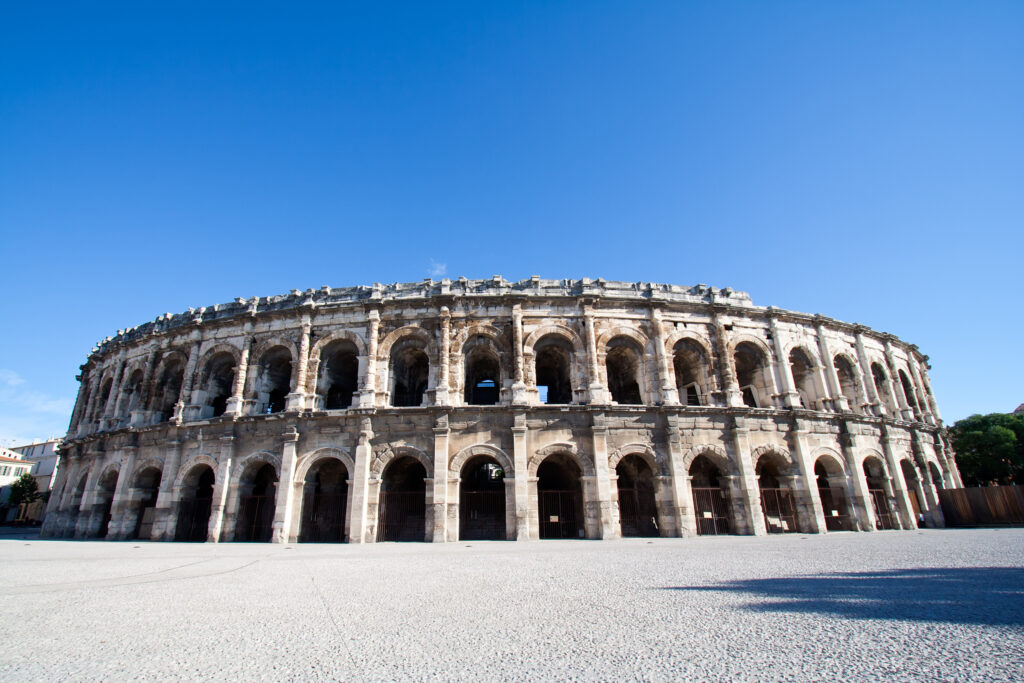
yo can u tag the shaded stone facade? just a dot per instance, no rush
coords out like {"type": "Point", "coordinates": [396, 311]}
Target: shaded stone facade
{"type": "Point", "coordinates": [490, 409]}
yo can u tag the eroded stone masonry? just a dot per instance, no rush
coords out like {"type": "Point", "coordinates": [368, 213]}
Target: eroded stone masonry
{"type": "Point", "coordinates": [487, 409]}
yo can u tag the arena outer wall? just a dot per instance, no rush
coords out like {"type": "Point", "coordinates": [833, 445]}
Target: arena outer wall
{"type": "Point", "coordinates": [670, 411]}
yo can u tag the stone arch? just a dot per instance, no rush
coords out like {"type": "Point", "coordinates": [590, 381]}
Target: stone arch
{"type": "Point", "coordinates": [257, 457]}
{"type": "Point", "coordinates": [307, 462]}
{"type": "Point", "coordinates": [873, 454]}
{"type": "Point", "coordinates": [557, 329]}
{"type": "Point", "coordinates": [716, 454]}
{"type": "Point", "coordinates": [633, 333]}
{"type": "Point", "coordinates": [406, 332]}
{"type": "Point", "coordinates": [463, 456]}
{"type": "Point", "coordinates": [105, 472]}
{"type": "Point", "coordinates": [584, 463]}
{"type": "Point", "coordinates": [679, 335]}
{"type": "Point", "coordinates": [481, 351]}
{"type": "Point", "coordinates": [480, 329]}
{"type": "Point", "coordinates": [832, 460]}
{"type": "Point", "coordinates": [802, 347]}
{"type": "Point", "coordinates": [264, 344]}
{"type": "Point", "coordinates": [212, 351]}
{"type": "Point", "coordinates": [383, 456]}
{"type": "Point", "coordinates": [336, 335]}
{"type": "Point", "coordinates": [741, 337]}
{"type": "Point", "coordinates": [191, 463]}
{"type": "Point", "coordinates": [151, 463]}
{"type": "Point", "coordinates": [777, 454]}
{"type": "Point", "coordinates": [641, 450]}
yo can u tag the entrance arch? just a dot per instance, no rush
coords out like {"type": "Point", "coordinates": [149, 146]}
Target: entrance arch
{"type": "Point", "coordinates": [874, 471]}
{"type": "Point", "coordinates": [105, 501]}
{"type": "Point", "coordinates": [776, 500]}
{"type": "Point", "coordinates": [195, 504]}
{"type": "Point", "coordinates": [913, 490]}
{"type": "Point", "coordinates": [835, 504]}
{"type": "Point", "coordinates": [257, 489]}
{"type": "Point", "coordinates": [482, 500]}
{"type": "Point", "coordinates": [145, 489]}
{"type": "Point", "coordinates": [403, 501]}
{"type": "Point", "coordinates": [638, 511]}
{"type": "Point", "coordinates": [560, 497]}
{"type": "Point", "coordinates": [324, 502]}
{"type": "Point", "coordinates": [710, 498]}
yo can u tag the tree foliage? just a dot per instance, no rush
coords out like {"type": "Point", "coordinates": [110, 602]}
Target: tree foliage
{"type": "Point", "coordinates": [990, 449]}
{"type": "Point", "coordinates": [23, 490]}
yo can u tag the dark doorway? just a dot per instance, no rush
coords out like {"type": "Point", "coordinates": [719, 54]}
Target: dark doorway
{"type": "Point", "coordinates": [410, 370]}
{"type": "Point", "coordinates": [256, 505]}
{"type": "Point", "coordinates": [147, 486]}
{"type": "Point", "coordinates": [482, 501]}
{"type": "Point", "coordinates": [776, 501]}
{"type": "Point", "coordinates": [554, 358]}
{"type": "Point", "coordinates": [875, 474]}
{"type": "Point", "coordinates": [833, 501]}
{"type": "Point", "coordinates": [710, 503]}
{"type": "Point", "coordinates": [107, 486]}
{"type": "Point", "coordinates": [560, 498]}
{"type": "Point", "coordinates": [194, 506]}
{"type": "Point", "coordinates": [638, 511]}
{"type": "Point", "coordinates": [403, 505]}
{"type": "Point", "coordinates": [324, 501]}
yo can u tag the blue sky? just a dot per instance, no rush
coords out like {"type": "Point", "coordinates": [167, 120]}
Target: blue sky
{"type": "Point", "coordinates": [861, 160]}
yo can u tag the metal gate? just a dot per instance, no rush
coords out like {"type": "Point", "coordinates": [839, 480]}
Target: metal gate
{"type": "Point", "coordinates": [983, 506]}
{"type": "Point", "coordinates": [833, 505]}
{"type": "Point", "coordinates": [482, 515]}
{"type": "Point", "coordinates": [711, 510]}
{"type": "Point", "coordinates": [255, 519]}
{"type": "Point", "coordinates": [323, 518]}
{"type": "Point", "coordinates": [883, 517]}
{"type": "Point", "coordinates": [637, 513]}
{"type": "Point", "coordinates": [561, 514]}
{"type": "Point", "coordinates": [914, 505]}
{"type": "Point", "coordinates": [779, 511]}
{"type": "Point", "coordinates": [193, 520]}
{"type": "Point", "coordinates": [402, 516]}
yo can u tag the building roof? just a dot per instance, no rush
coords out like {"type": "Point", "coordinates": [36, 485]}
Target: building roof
{"type": "Point", "coordinates": [4, 458]}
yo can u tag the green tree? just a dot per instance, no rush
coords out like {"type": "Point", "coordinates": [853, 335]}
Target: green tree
{"type": "Point", "coordinates": [989, 449]}
{"type": "Point", "coordinates": [23, 490]}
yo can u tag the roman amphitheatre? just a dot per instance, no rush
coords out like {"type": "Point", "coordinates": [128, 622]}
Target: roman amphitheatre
{"type": "Point", "coordinates": [486, 409]}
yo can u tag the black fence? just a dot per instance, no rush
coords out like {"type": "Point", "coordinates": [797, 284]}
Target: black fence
{"type": "Point", "coordinates": [983, 506]}
{"type": "Point", "coordinates": [193, 520]}
{"type": "Point", "coordinates": [323, 518]}
{"type": "Point", "coordinates": [482, 515]}
{"type": "Point", "coordinates": [712, 511]}
{"type": "Point", "coordinates": [561, 514]}
{"type": "Point", "coordinates": [402, 516]}
{"type": "Point", "coordinates": [836, 509]}
{"type": "Point", "coordinates": [883, 514]}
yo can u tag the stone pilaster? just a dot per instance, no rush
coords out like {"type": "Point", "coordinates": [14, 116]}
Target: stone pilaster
{"type": "Point", "coordinates": [236, 404]}
{"type": "Point", "coordinates": [368, 394]}
{"type": "Point", "coordinates": [839, 401]}
{"type": "Point", "coordinates": [520, 462]}
{"type": "Point", "coordinates": [119, 525]}
{"type": "Point", "coordinates": [682, 496]}
{"type": "Point", "coordinates": [287, 488]}
{"type": "Point", "coordinates": [188, 382]}
{"type": "Point", "coordinates": [604, 514]}
{"type": "Point", "coordinates": [748, 489]}
{"type": "Point", "coordinates": [733, 397]}
{"type": "Point", "coordinates": [219, 530]}
{"type": "Point", "coordinates": [165, 521]}
{"type": "Point", "coordinates": [790, 398]}
{"type": "Point", "coordinates": [296, 400]}
{"type": "Point", "coordinates": [598, 395]}
{"type": "Point", "coordinates": [806, 485]}
{"type": "Point", "coordinates": [874, 400]}
{"type": "Point", "coordinates": [358, 532]}
{"type": "Point", "coordinates": [668, 391]}
{"type": "Point", "coordinates": [441, 395]}
{"type": "Point", "coordinates": [519, 395]}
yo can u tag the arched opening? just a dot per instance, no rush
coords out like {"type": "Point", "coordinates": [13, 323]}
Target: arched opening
{"type": "Point", "coordinates": [802, 368]}
{"type": "Point", "coordinates": [324, 501]}
{"type": "Point", "coordinates": [553, 363]}
{"type": "Point", "coordinates": [624, 367]}
{"type": "Point", "coordinates": [691, 366]}
{"type": "Point", "coordinates": [75, 506]}
{"type": "Point", "coordinates": [638, 511]}
{"type": "Point", "coordinates": [256, 497]}
{"type": "Point", "coordinates": [273, 380]}
{"type": "Point", "coordinates": [339, 375]}
{"type": "Point", "coordinates": [482, 500]}
{"type": "Point", "coordinates": [403, 501]}
{"type": "Point", "coordinates": [560, 498]}
{"type": "Point", "coordinates": [847, 381]}
{"type": "Point", "coordinates": [936, 476]}
{"type": "Point", "coordinates": [101, 403]}
{"type": "Point", "coordinates": [195, 504]}
{"type": "Point", "coordinates": [830, 479]}
{"type": "Point", "coordinates": [776, 499]}
{"type": "Point", "coordinates": [908, 391]}
{"type": "Point", "coordinates": [133, 399]}
{"type": "Point", "coordinates": [104, 502]}
{"type": "Point", "coordinates": [710, 497]}
{"type": "Point", "coordinates": [881, 381]}
{"type": "Point", "coordinates": [483, 372]}
{"type": "Point", "coordinates": [913, 486]}
{"type": "Point", "coordinates": [143, 501]}
{"type": "Point", "coordinates": [216, 384]}
{"type": "Point", "coordinates": [752, 376]}
{"type": "Point", "coordinates": [168, 389]}
{"type": "Point", "coordinates": [874, 472]}
{"type": "Point", "coordinates": [410, 370]}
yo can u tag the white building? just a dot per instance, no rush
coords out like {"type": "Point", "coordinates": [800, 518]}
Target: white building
{"type": "Point", "coordinates": [11, 467]}
{"type": "Point", "coordinates": [43, 457]}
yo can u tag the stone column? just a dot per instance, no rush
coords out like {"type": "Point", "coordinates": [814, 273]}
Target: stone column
{"type": "Point", "coordinates": [874, 400]}
{"type": "Point", "coordinates": [926, 387]}
{"type": "Point", "coordinates": [115, 391]}
{"type": "Point", "coordinates": [750, 492]}
{"type": "Point", "coordinates": [669, 393]}
{"type": "Point", "coordinates": [899, 486]}
{"type": "Point", "coordinates": [188, 381]}
{"type": "Point", "coordinates": [922, 399]}
{"type": "Point", "coordinates": [76, 412]}
{"type": "Point", "coordinates": [94, 461]}
{"type": "Point", "coordinates": [141, 415]}
{"type": "Point", "coordinates": [439, 491]}
{"type": "Point", "coordinates": [221, 488]}
{"type": "Point", "coordinates": [596, 389]}
{"type": "Point", "coordinates": [165, 519]}
{"type": "Point", "coordinates": [839, 401]}
{"type": "Point", "coordinates": [813, 512]}
{"type": "Point", "coordinates": [682, 496]}
{"type": "Point", "coordinates": [520, 462]}
{"type": "Point", "coordinates": [117, 529]}
{"type": "Point", "coordinates": [55, 505]}
{"type": "Point", "coordinates": [236, 404]}
{"type": "Point", "coordinates": [894, 377]}
{"type": "Point", "coordinates": [441, 396]}
{"type": "Point", "coordinates": [284, 502]}
{"type": "Point", "coordinates": [367, 395]}
{"type": "Point", "coordinates": [733, 397]}
{"type": "Point", "coordinates": [296, 401]}
{"type": "Point", "coordinates": [357, 531]}
{"type": "Point", "coordinates": [601, 508]}
{"type": "Point", "coordinates": [790, 398]}
{"type": "Point", "coordinates": [862, 504]}
{"type": "Point", "coordinates": [519, 396]}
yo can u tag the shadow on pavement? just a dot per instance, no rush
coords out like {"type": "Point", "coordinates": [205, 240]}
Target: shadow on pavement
{"type": "Point", "coordinates": [979, 595]}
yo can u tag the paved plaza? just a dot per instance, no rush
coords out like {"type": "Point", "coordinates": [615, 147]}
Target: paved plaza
{"type": "Point", "coordinates": [928, 605]}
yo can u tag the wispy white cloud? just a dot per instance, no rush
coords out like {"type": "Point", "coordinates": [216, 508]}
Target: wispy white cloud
{"type": "Point", "coordinates": [437, 269]}
{"type": "Point", "coordinates": [28, 415]}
